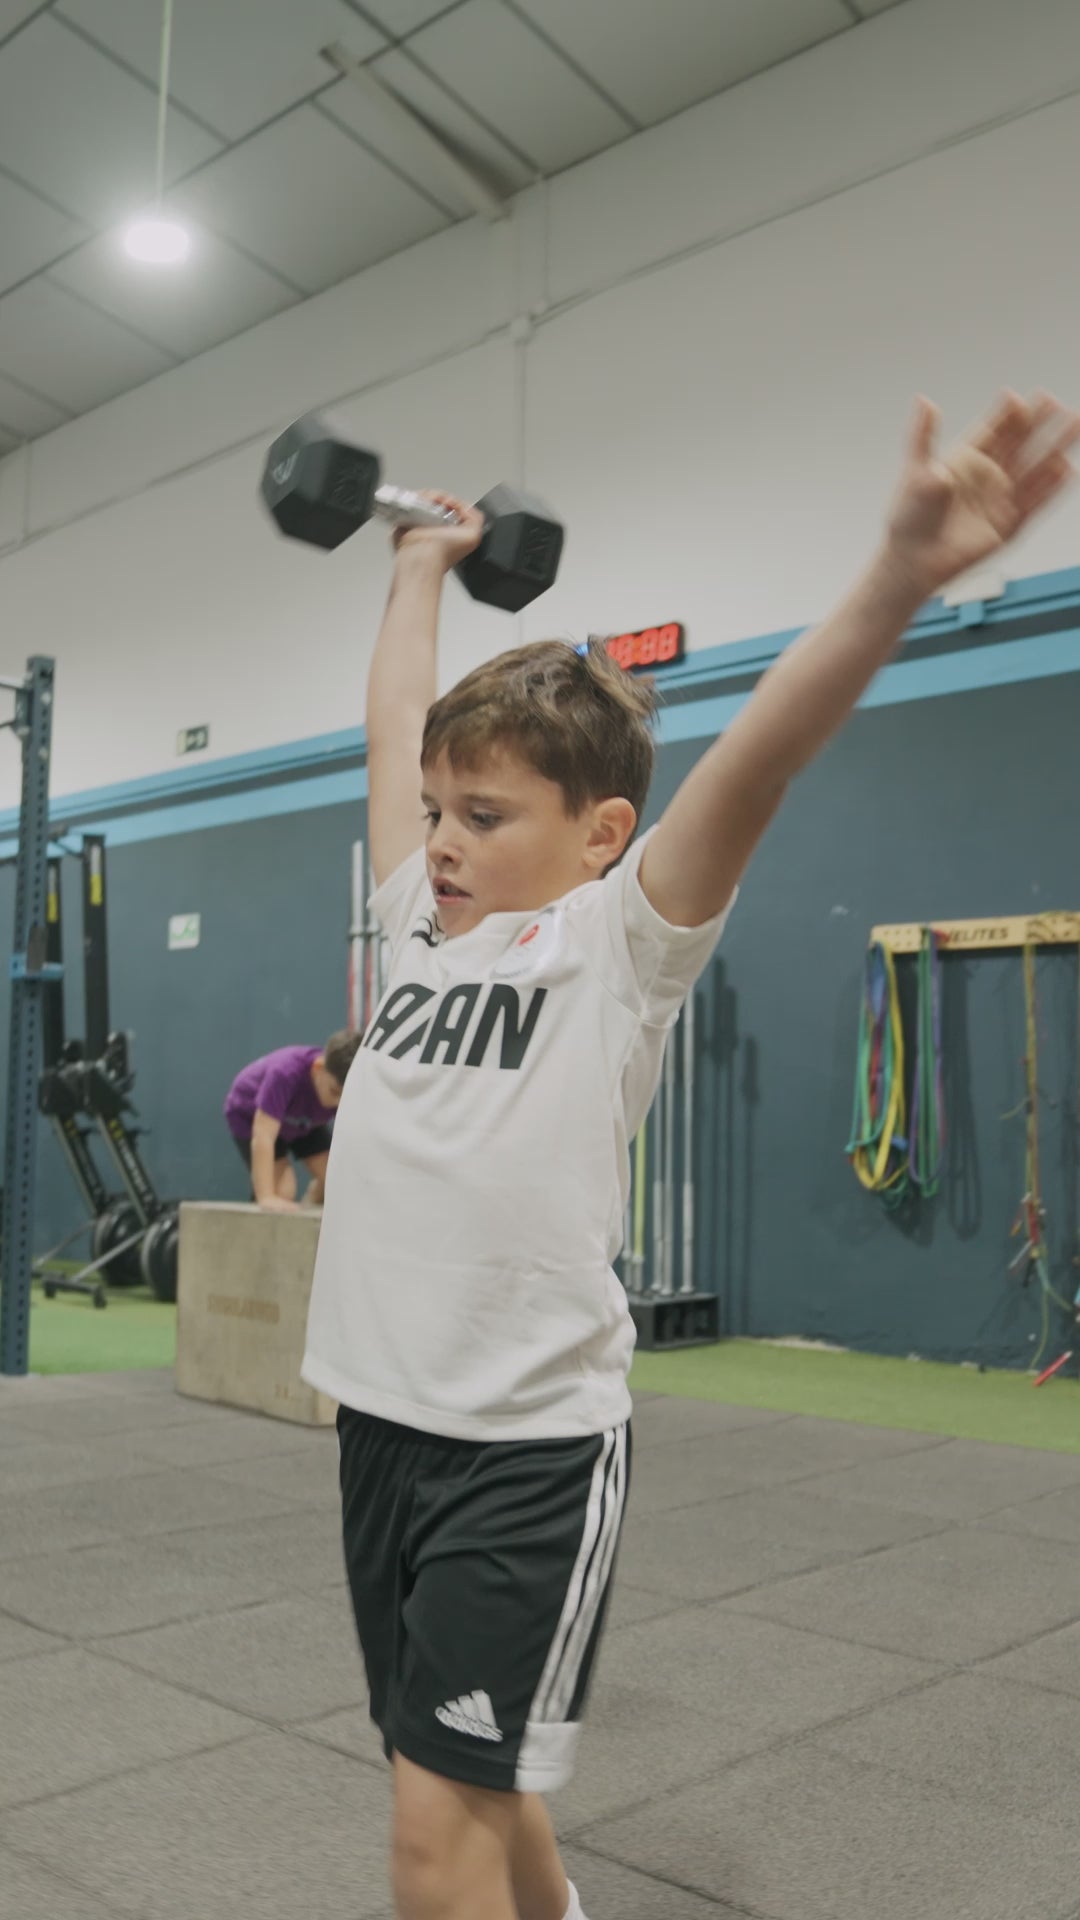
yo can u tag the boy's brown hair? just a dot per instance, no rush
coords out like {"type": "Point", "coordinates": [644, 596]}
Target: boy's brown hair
{"type": "Point", "coordinates": [339, 1053]}
{"type": "Point", "coordinates": [570, 713]}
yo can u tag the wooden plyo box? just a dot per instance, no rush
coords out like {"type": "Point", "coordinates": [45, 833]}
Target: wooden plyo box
{"type": "Point", "coordinates": [242, 1304]}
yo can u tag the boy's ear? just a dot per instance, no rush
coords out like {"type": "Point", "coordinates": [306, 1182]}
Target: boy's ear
{"type": "Point", "coordinates": [610, 830]}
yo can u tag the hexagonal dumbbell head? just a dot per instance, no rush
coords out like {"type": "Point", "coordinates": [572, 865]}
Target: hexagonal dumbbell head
{"type": "Point", "coordinates": [319, 488]}
{"type": "Point", "coordinates": [518, 557]}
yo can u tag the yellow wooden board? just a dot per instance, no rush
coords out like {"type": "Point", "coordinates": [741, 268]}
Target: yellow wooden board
{"type": "Point", "coordinates": [983, 936]}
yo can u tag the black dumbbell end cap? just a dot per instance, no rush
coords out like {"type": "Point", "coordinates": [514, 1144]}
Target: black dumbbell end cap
{"type": "Point", "coordinates": [318, 487]}
{"type": "Point", "coordinates": [518, 557]}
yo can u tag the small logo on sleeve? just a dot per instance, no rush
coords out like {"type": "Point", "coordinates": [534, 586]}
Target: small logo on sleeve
{"type": "Point", "coordinates": [534, 947]}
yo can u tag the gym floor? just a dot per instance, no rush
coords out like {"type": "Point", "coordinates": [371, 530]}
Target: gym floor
{"type": "Point", "coordinates": [832, 1687]}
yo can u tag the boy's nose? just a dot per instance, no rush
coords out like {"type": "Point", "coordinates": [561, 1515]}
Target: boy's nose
{"type": "Point", "coordinates": [442, 848]}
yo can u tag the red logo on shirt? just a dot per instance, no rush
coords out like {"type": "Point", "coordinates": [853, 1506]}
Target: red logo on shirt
{"type": "Point", "coordinates": [530, 934]}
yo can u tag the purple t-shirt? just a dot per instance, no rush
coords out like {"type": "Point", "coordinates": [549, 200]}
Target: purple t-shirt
{"type": "Point", "coordinates": [279, 1084]}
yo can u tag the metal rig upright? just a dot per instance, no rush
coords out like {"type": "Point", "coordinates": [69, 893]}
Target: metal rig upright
{"type": "Point", "coordinates": [29, 972]}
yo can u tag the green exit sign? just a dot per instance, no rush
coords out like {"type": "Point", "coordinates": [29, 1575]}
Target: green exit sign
{"type": "Point", "coordinates": [193, 740]}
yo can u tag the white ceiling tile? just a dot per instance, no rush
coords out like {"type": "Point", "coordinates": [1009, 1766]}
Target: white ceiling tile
{"type": "Point", "coordinates": [662, 58]}
{"type": "Point", "coordinates": [76, 127]}
{"type": "Point", "coordinates": [461, 130]}
{"type": "Point", "coordinates": [235, 63]}
{"type": "Point", "coordinates": [31, 233]}
{"type": "Point", "coordinates": [309, 201]}
{"type": "Point", "coordinates": [26, 413]}
{"type": "Point", "coordinates": [215, 294]}
{"type": "Point", "coordinates": [532, 97]}
{"type": "Point", "coordinates": [400, 17]}
{"type": "Point", "coordinates": [60, 347]}
{"type": "Point", "coordinates": [14, 12]}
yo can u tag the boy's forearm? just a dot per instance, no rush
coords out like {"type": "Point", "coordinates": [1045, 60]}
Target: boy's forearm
{"type": "Point", "coordinates": [262, 1169]}
{"type": "Point", "coordinates": [402, 680]}
{"type": "Point", "coordinates": [802, 701]}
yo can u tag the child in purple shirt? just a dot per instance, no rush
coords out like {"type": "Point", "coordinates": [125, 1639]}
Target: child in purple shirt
{"type": "Point", "coordinates": [279, 1111]}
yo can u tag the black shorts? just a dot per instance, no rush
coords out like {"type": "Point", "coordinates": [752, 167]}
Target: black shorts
{"type": "Point", "coordinates": [305, 1148]}
{"type": "Point", "coordinates": [480, 1575]}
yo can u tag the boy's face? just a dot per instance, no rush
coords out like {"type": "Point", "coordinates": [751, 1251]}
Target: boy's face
{"type": "Point", "coordinates": [327, 1089]}
{"type": "Point", "coordinates": [501, 841]}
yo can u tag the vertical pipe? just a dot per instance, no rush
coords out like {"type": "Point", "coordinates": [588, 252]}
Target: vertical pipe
{"type": "Point", "coordinates": [52, 997]}
{"type": "Point", "coordinates": [356, 938]}
{"type": "Point", "coordinates": [637, 1260]}
{"type": "Point", "coordinates": [656, 1117]}
{"type": "Point", "coordinates": [689, 1072]}
{"type": "Point", "coordinates": [628, 1224]}
{"type": "Point", "coordinates": [367, 925]}
{"type": "Point", "coordinates": [95, 946]}
{"type": "Point", "coordinates": [669, 1161]}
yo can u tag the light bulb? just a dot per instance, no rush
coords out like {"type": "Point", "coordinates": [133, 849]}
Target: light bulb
{"type": "Point", "coordinates": [157, 241]}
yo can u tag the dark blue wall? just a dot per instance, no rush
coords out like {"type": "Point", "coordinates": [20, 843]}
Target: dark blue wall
{"type": "Point", "coordinates": [936, 809]}
{"type": "Point", "coordinates": [945, 808]}
{"type": "Point", "coordinates": [270, 970]}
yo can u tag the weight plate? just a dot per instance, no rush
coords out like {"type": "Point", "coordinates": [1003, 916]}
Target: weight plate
{"type": "Point", "coordinates": [118, 1222]}
{"type": "Point", "coordinates": [159, 1255]}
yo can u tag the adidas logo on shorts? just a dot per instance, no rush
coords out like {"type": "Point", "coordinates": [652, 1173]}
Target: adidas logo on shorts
{"type": "Point", "coordinates": [473, 1713]}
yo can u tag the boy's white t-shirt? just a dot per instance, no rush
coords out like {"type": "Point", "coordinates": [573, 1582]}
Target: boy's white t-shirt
{"type": "Point", "coordinates": [480, 1163]}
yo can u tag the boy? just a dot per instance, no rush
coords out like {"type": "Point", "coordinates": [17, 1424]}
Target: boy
{"type": "Point", "coordinates": [464, 1310]}
{"type": "Point", "coordinates": [279, 1111]}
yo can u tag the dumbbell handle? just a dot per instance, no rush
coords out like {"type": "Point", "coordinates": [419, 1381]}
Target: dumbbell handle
{"type": "Point", "coordinates": [403, 508]}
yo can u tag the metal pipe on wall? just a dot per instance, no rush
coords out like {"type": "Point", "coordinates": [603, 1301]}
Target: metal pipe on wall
{"type": "Point", "coordinates": [357, 914]}
{"type": "Point", "coordinates": [668, 1269]}
{"type": "Point", "coordinates": [689, 1077]}
{"type": "Point", "coordinates": [656, 1269]}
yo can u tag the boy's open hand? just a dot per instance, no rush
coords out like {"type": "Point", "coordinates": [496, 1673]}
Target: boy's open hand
{"type": "Point", "coordinates": [951, 512]}
{"type": "Point", "coordinates": [449, 544]}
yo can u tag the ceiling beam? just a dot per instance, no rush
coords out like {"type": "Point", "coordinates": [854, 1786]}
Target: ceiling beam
{"type": "Point", "coordinates": [426, 142]}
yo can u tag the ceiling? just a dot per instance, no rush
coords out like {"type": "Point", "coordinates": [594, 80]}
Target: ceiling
{"type": "Point", "coordinates": [291, 175]}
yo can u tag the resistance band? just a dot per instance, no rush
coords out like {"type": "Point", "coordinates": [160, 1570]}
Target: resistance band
{"type": "Point", "coordinates": [878, 1147]}
{"type": "Point", "coordinates": [887, 1158]}
{"type": "Point", "coordinates": [927, 1145]}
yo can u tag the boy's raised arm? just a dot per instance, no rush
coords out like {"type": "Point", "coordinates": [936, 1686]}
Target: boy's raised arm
{"type": "Point", "coordinates": [948, 514]}
{"type": "Point", "coordinates": [402, 681]}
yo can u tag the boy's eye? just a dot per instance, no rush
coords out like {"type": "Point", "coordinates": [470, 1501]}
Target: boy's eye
{"type": "Point", "coordinates": [431, 816]}
{"type": "Point", "coordinates": [484, 821]}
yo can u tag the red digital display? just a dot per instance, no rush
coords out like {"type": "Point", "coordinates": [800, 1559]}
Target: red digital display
{"type": "Point", "coordinates": [652, 647]}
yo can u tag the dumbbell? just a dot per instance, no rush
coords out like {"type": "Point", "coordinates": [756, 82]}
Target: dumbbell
{"type": "Point", "coordinates": [320, 489]}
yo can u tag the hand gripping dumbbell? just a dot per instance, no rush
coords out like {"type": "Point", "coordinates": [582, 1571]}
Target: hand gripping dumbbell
{"type": "Point", "coordinates": [320, 489]}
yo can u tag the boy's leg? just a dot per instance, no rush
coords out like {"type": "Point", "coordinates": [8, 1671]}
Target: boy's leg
{"type": "Point", "coordinates": [510, 1550]}
{"type": "Point", "coordinates": [461, 1851]}
{"type": "Point", "coordinates": [315, 1168]}
{"type": "Point", "coordinates": [479, 1577]}
{"type": "Point", "coordinates": [541, 1888]}
{"type": "Point", "coordinates": [451, 1848]}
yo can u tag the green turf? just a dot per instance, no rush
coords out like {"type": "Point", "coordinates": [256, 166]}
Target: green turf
{"type": "Point", "coordinates": [71, 1335]}
{"type": "Point", "coordinates": [919, 1395]}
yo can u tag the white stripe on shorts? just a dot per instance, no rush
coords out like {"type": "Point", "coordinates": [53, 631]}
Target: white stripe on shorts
{"type": "Point", "coordinates": [588, 1581]}
{"type": "Point", "coordinates": [595, 1585]}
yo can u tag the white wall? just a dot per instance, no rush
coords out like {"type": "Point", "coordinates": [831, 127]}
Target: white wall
{"type": "Point", "coordinates": [731, 313]}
